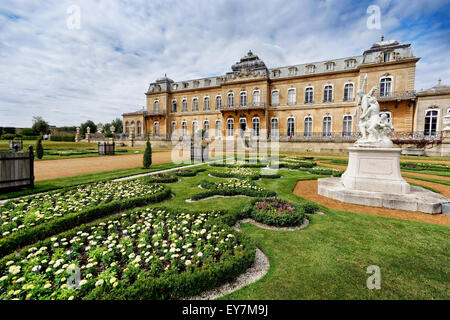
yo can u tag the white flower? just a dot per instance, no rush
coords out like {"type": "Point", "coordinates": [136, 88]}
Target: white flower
{"type": "Point", "coordinates": [14, 269]}
{"type": "Point", "coordinates": [188, 262]}
{"type": "Point", "coordinates": [99, 283]}
{"type": "Point", "coordinates": [199, 254]}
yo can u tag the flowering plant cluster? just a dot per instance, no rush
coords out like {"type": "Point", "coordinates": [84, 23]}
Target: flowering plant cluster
{"type": "Point", "coordinates": [114, 253]}
{"type": "Point", "coordinates": [162, 178]}
{"type": "Point", "coordinates": [237, 172]}
{"type": "Point", "coordinates": [240, 164]}
{"type": "Point", "coordinates": [326, 171]}
{"type": "Point", "coordinates": [24, 213]}
{"type": "Point", "coordinates": [275, 212]}
{"type": "Point", "coordinates": [274, 206]}
{"type": "Point", "coordinates": [295, 163]}
{"type": "Point", "coordinates": [230, 184]}
{"type": "Point", "coordinates": [188, 172]}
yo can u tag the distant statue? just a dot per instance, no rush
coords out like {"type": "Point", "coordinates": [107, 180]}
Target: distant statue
{"type": "Point", "coordinates": [374, 129]}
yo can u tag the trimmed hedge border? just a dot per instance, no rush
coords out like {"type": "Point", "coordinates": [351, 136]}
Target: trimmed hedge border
{"type": "Point", "coordinates": [158, 179]}
{"type": "Point", "coordinates": [283, 220]}
{"type": "Point", "coordinates": [45, 230]}
{"type": "Point", "coordinates": [188, 172]}
{"type": "Point", "coordinates": [229, 192]}
{"type": "Point", "coordinates": [244, 165]}
{"type": "Point", "coordinates": [177, 286]}
{"type": "Point", "coordinates": [219, 174]}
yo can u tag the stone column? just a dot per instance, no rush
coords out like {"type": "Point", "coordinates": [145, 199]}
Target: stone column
{"type": "Point", "coordinates": [113, 130]}
{"type": "Point", "coordinates": [77, 136]}
{"type": "Point", "coordinates": [132, 135]}
{"type": "Point", "coordinates": [88, 134]}
{"type": "Point", "coordinates": [445, 145]}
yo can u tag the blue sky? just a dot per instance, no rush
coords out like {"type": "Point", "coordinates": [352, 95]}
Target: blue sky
{"type": "Point", "coordinates": [103, 69]}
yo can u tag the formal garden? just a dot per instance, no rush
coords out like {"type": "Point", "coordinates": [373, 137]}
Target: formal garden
{"type": "Point", "coordinates": [171, 235]}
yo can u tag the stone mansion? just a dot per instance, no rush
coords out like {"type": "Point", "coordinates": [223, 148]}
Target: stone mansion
{"type": "Point", "coordinates": [316, 100]}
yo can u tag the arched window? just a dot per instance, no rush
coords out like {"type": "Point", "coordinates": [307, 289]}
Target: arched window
{"type": "Point", "coordinates": [184, 105]}
{"type": "Point", "coordinates": [274, 127]}
{"type": "Point", "coordinates": [242, 126]}
{"type": "Point", "coordinates": [174, 105]}
{"type": "Point", "coordinates": [431, 120]}
{"type": "Point", "coordinates": [156, 105]}
{"type": "Point", "coordinates": [256, 98]}
{"type": "Point", "coordinates": [275, 97]}
{"type": "Point", "coordinates": [218, 102]}
{"type": "Point", "coordinates": [255, 127]}
{"type": "Point", "coordinates": [231, 99]}
{"type": "Point", "coordinates": [194, 127]}
{"type": "Point", "coordinates": [388, 115]}
{"type": "Point", "coordinates": [309, 95]}
{"type": "Point", "coordinates": [326, 128]}
{"type": "Point", "coordinates": [290, 127]}
{"type": "Point", "coordinates": [132, 128]}
{"type": "Point", "coordinates": [243, 102]}
{"type": "Point", "coordinates": [195, 104]}
{"type": "Point", "coordinates": [386, 87]}
{"type": "Point", "coordinates": [156, 128]}
{"type": "Point", "coordinates": [174, 127]}
{"type": "Point", "coordinates": [127, 127]}
{"type": "Point", "coordinates": [328, 93]}
{"type": "Point", "coordinates": [308, 126]}
{"type": "Point", "coordinates": [230, 127]}
{"type": "Point", "coordinates": [291, 97]}
{"type": "Point", "coordinates": [348, 92]}
{"type": "Point", "coordinates": [139, 128]}
{"type": "Point", "coordinates": [206, 128]}
{"type": "Point", "coordinates": [206, 105]}
{"type": "Point", "coordinates": [218, 128]}
{"type": "Point", "coordinates": [347, 126]}
{"type": "Point", "coordinates": [184, 128]}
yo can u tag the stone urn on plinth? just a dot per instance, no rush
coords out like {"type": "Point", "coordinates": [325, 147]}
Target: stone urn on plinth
{"type": "Point", "coordinates": [373, 176]}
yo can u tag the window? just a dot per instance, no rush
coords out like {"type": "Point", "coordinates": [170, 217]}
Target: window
{"type": "Point", "coordinates": [231, 99]}
{"type": "Point", "coordinates": [218, 128]}
{"type": "Point", "coordinates": [207, 82]}
{"type": "Point", "coordinates": [276, 73]}
{"type": "Point", "coordinates": [195, 104]}
{"type": "Point", "coordinates": [385, 87]}
{"type": "Point", "coordinates": [184, 105]}
{"type": "Point", "coordinates": [156, 128]}
{"type": "Point", "coordinates": [329, 66]}
{"type": "Point", "coordinates": [291, 97]}
{"type": "Point", "coordinates": [206, 104]}
{"type": "Point", "coordinates": [431, 117]}
{"type": "Point", "coordinates": [274, 127]}
{"type": "Point", "coordinates": [174, 127]}
{"type": "Point", "coordinates": [310, 69]}
{"type": "Point", "coordinates": [196, 83]}
{"type": "Point", "coordinates": [243, 99]}
{"type": "Point", "coordinates": [156, 106]}
{"type": "Point", "coordinates": [185, 85]}
{"type": "Point", "coordinates": [292, 71]}
{"type": "Point", "coordinates": [290, 127]}
{"type": "Point", "coordinates": [326, 128]}
{"type": "Point", "coordinates": [328, 93]}
{"type": "Point", "coordinates": [386, 57]}
{"type": "Point", "coordinates": [174, 105]}
{"type": "Point", "coordinates": [242, 126]}
{"type": "Point", "coordinates": [218, 102]}
{"type": "Point", "coordinates": [255, 127]}
{"type": "Point", "coordinates": [309, 95]}
{"type": "Point", "coordinates": [256, 98]}
{"type": "Point", "coordinates": [139, 128]}
{"type": "Point", "coordinates": [350, 63]}
{"type": "Point", "coordinates": [184, 128]}
{"type": "Point", "coordinates": [175, 86]}
{"type": "Point", "coordinates": [308, 126]}
{"type": "Point", "coordinates": [206, 128]}
{"type": "Point", "coordinates": [127, 127]}
{"type": "Point", "coordinates": [388, 115]}
{"type": "Point", "coordinates": [275, 97]}
{"type": "Point", "coordinates": [230, 127]}
{"type": "Point", "coordinates": [347, 126]}
{"type": "Point", "coordinates": [348, 92]}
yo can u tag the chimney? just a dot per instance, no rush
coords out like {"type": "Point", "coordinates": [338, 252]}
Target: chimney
{"type": "Point", "coordinates": [382, 38]}
{"type": "Point", "coordinates": [439, 82]}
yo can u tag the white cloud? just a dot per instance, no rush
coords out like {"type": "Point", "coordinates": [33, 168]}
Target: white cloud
{"type": "Point", "coordinates": [103, 69]}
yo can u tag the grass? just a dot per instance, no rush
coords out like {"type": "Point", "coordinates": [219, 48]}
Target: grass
{"type": "Point", "coordinates": [328, 259]}
{"type": "Point", "coordinates": [444, 182]}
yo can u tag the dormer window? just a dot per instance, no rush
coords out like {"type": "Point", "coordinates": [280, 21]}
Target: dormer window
{"type": "Point", "coordinates": [196, 83]}
{"type": "Point", "coordinates": [218, 81]}
{"type": "Point", "coordinates": [292, 71]}
{"type": "Point", "coordinates": [185, 85]}
{"type": "Point", "coordinates": [207, 82]}
{"type": "Point", "coordinates": [175, 86]}
{"type": "Point", "coordinates": [276, 73]}
{"type": "Point", "coordinates": [350, 63]}
{"type": "Point", "coordinates": [329, 66]}
{"type": "Point", "coordinates": [386, 56]}
{"type": "Point", "coordinates": [310, 69]}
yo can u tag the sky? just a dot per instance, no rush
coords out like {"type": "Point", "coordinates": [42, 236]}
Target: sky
{"type": "Point", "coordinates": [72, 61]}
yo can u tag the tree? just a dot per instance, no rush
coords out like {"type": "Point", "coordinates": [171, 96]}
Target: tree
{"type": "Point", "coordinates": [118, 124]}
{"type": "Point", "coordinates": [39, 149]}
{"type": "Point", "coordinates": [90, 124]}
{"type": "Point", "coordinates": [148, 154]}
{"type": "Point", "coordinates": [40, 126]}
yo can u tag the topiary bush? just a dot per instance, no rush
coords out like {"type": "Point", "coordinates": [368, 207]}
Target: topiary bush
{"type": "Point", "coordinates": [147, 161]}
{"type": "Point", "coordinates": [39, 149]}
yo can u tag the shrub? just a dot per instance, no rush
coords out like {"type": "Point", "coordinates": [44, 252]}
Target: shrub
{"type": "Point", "coordinates": [148, 155]}
{"type": "Point", "coordinates": [62, 138]}
{"type": "Point", "coordinates": [162, 178]}
{"type": "Point", "coordinates": [276, 212]}
{"type": "Point", "coordinates": [27, 132]}
{"type": "Point", "coordinates": [310, 207]}
{"type": "Point", "coordinates": [39, 149]}
{"type": "Point", "coordinates": [188, 172]}
{"type": "Point", "coordinates": [8, 136]}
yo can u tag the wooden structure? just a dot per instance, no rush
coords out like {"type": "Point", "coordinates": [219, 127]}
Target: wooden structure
{"type": "Point", "coordinates": [105, 148]}
{"type": "Point", "coordinates": [16, 170]}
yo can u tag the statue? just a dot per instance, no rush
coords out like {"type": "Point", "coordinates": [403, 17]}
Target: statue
{"type": "Point", "coordinates": [374, 129]}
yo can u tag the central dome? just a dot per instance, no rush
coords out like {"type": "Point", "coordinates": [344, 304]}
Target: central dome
{"type": "Point", "coordinates": [249, 62]}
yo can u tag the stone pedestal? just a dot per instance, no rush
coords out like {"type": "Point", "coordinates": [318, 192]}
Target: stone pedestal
{"type": "Point", "coordinates": [376, 170]}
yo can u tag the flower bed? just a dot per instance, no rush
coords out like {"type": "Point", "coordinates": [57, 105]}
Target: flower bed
{"type": "Point", "coordinates": [239, 164]}
{"type": "Point", "coordinates": [290, 163]}
{"type": "Point", "coordinates": [29, 219]}
{"type": "Point", "coordinates": [145, 254]}
{"type": "Point", "coordinates": [326, 171]}
{"type": "Point", "coordinates": [188, 172]}
{"type": "Point", "coordinates": [231, 187]}
{"type": "Point", "coordinates": [276, 212]}
{"type": "Point", "coordinates": [243, 173]}
{"type": "Point", "coordinates": [162, 178]}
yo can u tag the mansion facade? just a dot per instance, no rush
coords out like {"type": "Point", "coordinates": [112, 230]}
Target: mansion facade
{"type": "Point", "coordinates": [316, 99]}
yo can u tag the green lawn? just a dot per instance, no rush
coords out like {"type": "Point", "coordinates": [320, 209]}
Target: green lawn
{"type": "Point", "coordinates": [328, 259]}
